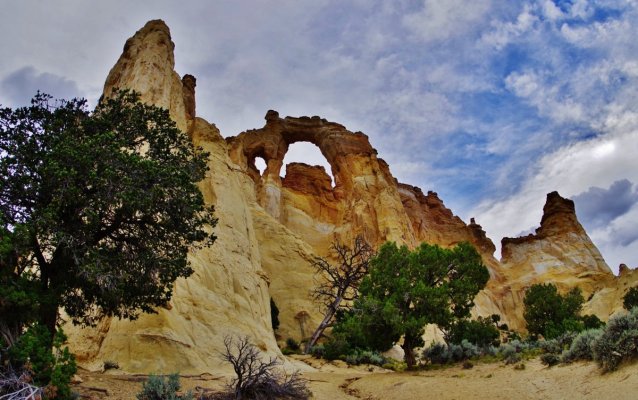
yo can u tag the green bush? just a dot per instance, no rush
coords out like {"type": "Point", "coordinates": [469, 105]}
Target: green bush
{"type": "Point", "coordinates": [619, 341]}
{"type": "Point", "coordinates": [292, 344]}
{"type": "Point", "coordinates": [482, 332]}
{"type": "Point", "coordinates": [590, 321]}
{"type": "Point", "coordinates": [558, 344]}
{"type": "Point", "coordinates": [510, 353]}
{"type": "Point", "coordinates": [160, 387]}
{"type": "Point", "coordinates": [582, 346]}
{"type": "Point", "coordinates": [46, 361]}
{"type": "Point", "coordinates": [336, 348]}
{"type": "Point", "coordinates": [365, 357]}
{"type": "Point", "coordinates": [317, 351]}
{"type": "Point", "coordinates": [439, 353]}
{"type": "Point", "coordinates": [630, 299]}
{"type": "Point", "coordinates": [550, 314]}
{"type": "Point", "coordinates": [550, 359]}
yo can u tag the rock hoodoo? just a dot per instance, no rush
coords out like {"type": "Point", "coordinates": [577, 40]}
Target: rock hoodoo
{"type": "Point", "coordinates": [270, 228]}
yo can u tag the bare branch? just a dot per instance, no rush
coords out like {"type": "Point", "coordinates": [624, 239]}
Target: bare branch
{"type": "Point", "coordinates": [336, 283]}
{"type": "Point", "coordinates": [256, 377]}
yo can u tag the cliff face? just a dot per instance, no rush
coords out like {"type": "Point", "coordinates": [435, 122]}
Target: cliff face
{"type": "Point", "coordinates": [228, 292]}
{"type": "Point", "coordinates": [270, 228]}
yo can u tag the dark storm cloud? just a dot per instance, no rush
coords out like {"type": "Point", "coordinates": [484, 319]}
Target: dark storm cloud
{"type": "Point", "coordinates": [597, 207]}
{"type": "Point", "coordinates": [20, 86]}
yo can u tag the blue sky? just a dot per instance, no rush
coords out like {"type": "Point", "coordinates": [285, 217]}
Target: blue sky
{"type": "Point", "coordinates": [492, 104]}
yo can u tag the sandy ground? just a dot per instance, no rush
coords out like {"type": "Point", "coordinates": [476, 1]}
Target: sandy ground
{"type": "Point", "coordinates": [336, 381]}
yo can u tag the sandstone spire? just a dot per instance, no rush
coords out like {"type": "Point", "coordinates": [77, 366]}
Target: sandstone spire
{"type": "Point", "coordinates": [560, 246]}
{"type": "Point", "coordinates": [147, 66]}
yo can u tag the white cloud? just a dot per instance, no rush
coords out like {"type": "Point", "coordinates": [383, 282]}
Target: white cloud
{"type": "Point", "coordinates": [442, 20]}
{"type": "Point", "coordinates": [503, 33]}
{"type": "Point", "coordinates": [551, 11]}
{"type": "Point", "coordinates": [571, 170]}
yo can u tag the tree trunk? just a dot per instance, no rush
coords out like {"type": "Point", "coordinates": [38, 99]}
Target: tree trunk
{"type": "Point", "coordinates": [330, 312]}
{"type": "Point", "coordinates": [409, 356]}
{"type": "Point", "coordinates": [48, 315]}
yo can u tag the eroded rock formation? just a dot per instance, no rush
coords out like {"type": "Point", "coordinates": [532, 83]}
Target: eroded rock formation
{"type": "Point", "coordinates": [270, 228]}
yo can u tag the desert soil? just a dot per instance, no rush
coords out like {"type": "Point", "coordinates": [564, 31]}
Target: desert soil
{"type": "Point", "coordinates": [336, 381]}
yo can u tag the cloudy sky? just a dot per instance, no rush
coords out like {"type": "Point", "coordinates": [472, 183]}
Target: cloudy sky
{"type": "Point", "coordinates": [490, 103]}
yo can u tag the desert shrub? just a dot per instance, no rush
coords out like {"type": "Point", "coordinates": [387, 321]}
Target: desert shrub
{"type": "Point", "coordinates": [467, 364]}
{"type": "Point", "coordinates": [292, 344]}
{"type": "Point", "coordinates": [558, 344]}
{"type": "Point", "coordinates": [317, 351]}
{"type": "Point", "coordinates": [336, 348]}
{"type": "Point", "coordinates": [439, 353]}
{"type": "Point", "coordinates": [292, 347]}
{"type": "Point", "coordinates": [619, 341]}
{"type": "Point", "coordinates": [582, 346]}
{"type": "Point", "coordinates": [160, 387]}
{"type": "Point", "coordinates": [14, 386]}
{"type": "Point", "coordinates": [550, 359]}
{"type": "Point", "coordinates": [45, 362]}
{"type": "Point", "coordinates": [510, 353]}
{"type": "Point", "coordinates": [630, 299]}
{"type": "Point", "coordinates": [365, 357]}
{"type": "Point", "coordinates": [258, 378]}
{"type": "Point", "coordinates": [110, 364]}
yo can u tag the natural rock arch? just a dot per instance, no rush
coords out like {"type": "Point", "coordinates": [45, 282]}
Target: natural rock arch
{"type": "Point", "coordinates": [272, 141]}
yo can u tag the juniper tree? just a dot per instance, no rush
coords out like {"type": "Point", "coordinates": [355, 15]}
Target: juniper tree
{"type": "Point", "coordinates": [98, 210]}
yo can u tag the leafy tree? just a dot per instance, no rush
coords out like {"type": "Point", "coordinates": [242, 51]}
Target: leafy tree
{"type": "Point", "coordinates": [51, 370]}
{"type": "Point", "coordinates": [97, 210]}
{"type": "Point", "coordinates": [405, 290]}
{"type": "Point", "coordinates": [481, 332]}
{"type": "Point", "coordinates": [591, 321]}
{"type": "Point", "coordinates": [630, 299]}
{"type": "Point", "coordinates": [551, 314]}
{"type": "Point", "coordinates": [338, 283]}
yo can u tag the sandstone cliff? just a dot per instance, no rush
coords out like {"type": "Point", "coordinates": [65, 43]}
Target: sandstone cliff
{"type": "Point", "coordinates": [228, 292]}
{"type": "Point", "coordinates": [270, 228]}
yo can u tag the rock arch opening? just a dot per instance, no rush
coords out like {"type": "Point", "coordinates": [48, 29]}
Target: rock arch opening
{"type": "Point", "coordinates": [306, 153]}
{"type": "Point", "coordinates": [260, 164]}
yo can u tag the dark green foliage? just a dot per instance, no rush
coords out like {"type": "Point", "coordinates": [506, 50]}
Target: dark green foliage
{"type": "Point", "coordinates": [336, 348]}
{"type": "Point", "coordinates": [590, 321]}
{"type": "Point", "coordinates": [160, 387]}
{"type": "Point", "coordinates": [551, 314]}
{"type": "Point", "coordinates": [360, 326]}
{"type": "Point", "coordinates": [19, 299]}
{"type": "Point", "coordinates": [292, 344]}
{"type": "Point", "coordinates": [97, 210]}
{"type": "Point", "coordinates": [274, 315]}
{"type": "Point", "coordinates": [405, 290]}
{"type": "Point", "coordinates": [292, 347]}
{"type": "Point", "coordinates": [45, 360]}
{"type": "Point", "coordinates": [481, 332]}
{"type": "Point", "coordinates": [619, 341]}
{"type": "Point", "coordinates": [630, 299]}
{"type": "Point", "coordinates": [550, 359]}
